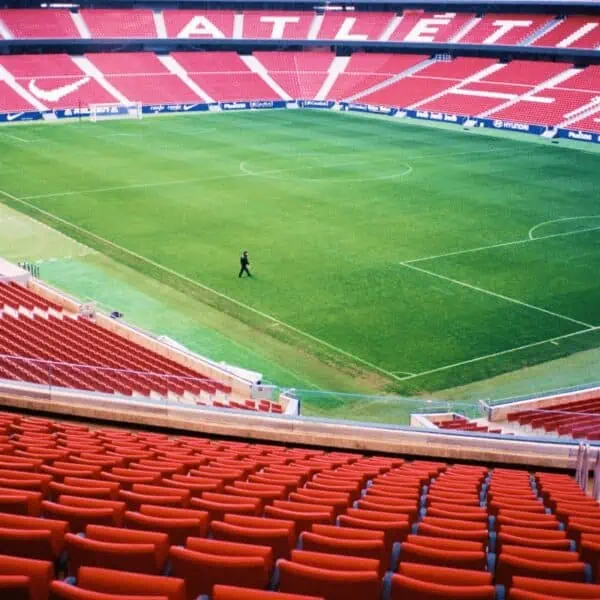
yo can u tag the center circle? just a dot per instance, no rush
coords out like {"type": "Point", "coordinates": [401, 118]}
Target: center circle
{"type": "Point", "coordinates": [302, 172]}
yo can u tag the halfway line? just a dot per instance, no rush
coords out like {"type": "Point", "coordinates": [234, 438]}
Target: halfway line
{"type": "Point", "coordinates": [495, 295]}
{"type": "Point", "coordinates": [202, 286]}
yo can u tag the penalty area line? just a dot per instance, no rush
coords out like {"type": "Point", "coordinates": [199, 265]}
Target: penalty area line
{"type": "Point", "coordinates": [552, 340]}
{"type": "Point", "coordinates": [202, 286]}
{"type": "Point", "coordinates": [496, 295]}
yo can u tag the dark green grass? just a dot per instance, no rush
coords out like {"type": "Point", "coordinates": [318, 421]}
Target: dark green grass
{"type": "Point", "coordinates": [334, 206]}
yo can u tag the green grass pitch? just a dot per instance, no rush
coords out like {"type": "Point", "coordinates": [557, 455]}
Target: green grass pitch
{"type": "Point", "coordinates": [417, 258]}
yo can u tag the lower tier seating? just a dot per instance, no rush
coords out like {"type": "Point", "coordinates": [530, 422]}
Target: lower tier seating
{"type": "Point", "coordinates": [543, 93]}
{"type": "Point", "coordinates": [111, 514]}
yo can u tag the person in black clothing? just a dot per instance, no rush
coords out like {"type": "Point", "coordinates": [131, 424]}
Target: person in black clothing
{"type": "Point", "coordinates": [244, 263]}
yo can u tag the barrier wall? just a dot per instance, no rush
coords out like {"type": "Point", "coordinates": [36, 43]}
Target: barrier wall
{"type": "Point", "coordinates": [156, 109]}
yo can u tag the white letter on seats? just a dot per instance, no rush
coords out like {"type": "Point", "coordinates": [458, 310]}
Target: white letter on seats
{"type": "Point", "coordinates": [425, 30]}
{"type": "Point", "coordinates": [279, 24]}
{"type": "Point", "coordinates": [200, 26]}
{"type": "Point", "coordinates": [346, 28]}
{"type": "Point", "coordinates": [503, 28]}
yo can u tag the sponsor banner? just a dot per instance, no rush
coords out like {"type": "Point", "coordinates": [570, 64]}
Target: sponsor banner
{"type": "Point", "coordinates": [316, 103]}
{"type": "Point", "coordinates": [580, 136]}
{"type": "Point", "coordinates": [511, 126]}
{"type": "Point", "coordinates": [435, 116]}
{"type": "Point", "coordinates": [16, 117]}
{"type": "Point", "coordinates": [154, 109]}
{"type": "Point", "coordinates": [253, 105]}
{"type": "Point", "coordinates": [370, 108]}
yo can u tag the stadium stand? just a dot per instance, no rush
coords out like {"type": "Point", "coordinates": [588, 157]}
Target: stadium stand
{"type": "Point", "coordinates": [506, 29]}
{"type": "Point", "coordinates": [38, 24]}
{"type": "Point", "coordinates": [419, 529]}
{"type": "Point", "coordinates": [578, 419]}
{"type": "Point", "coordinates": [572, 32]}
{"type": "Point", "coordinates": [119, 24]}
{"type": "Point", "coordinates": [141, 75]}
{"type": "Point", "coordinates": [300, 74]}
{"type": "Point", "coordinates": [225, 76]}
{"type": "Point", "coordinates": [422, 26]}
{"type": "Point", "coordinates": [411, 25]}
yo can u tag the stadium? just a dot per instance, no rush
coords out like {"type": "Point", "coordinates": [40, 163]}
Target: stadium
{"type": "Point", "coordinates": [396, 397]}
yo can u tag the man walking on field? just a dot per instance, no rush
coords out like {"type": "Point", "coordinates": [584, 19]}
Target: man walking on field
{"type": "Point", "coordinates": [244, 263]}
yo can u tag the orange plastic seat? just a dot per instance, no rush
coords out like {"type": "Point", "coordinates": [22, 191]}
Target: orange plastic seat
{"type": "Point", "coordinates": [226, 592]}
{"type": "Point", "coordinates": [445, 575]}
{"type": "Point", "coordinates": [178, 529]}
{"type": "Point", "coordinates": [552, 587]}
{"type": "Point", "coordinates": [459, 559]}
{"type": "Point", "coordinates": [329, 584]}
{"type": "Point", "coordinates": [15, 587]}
{"type": "Point", "coordinates": [120, 535]}
{"type": "Point", "coordinates": [374, 549]}
{"type": "Point", "coordinates": [134, 557]}
{"type": "Point", "coordinates": [509, 566]}
{"type": "Point", "coordinates": [59, 590]}
{"type": "Point", "coordinates": [202, 571]}
{"type": "Point", "coordinates": [77, 517]}
{"type": "Point", "coordinates": [403, 588]}
{"type": "Point", "coordinates": [280, 541]}
{"type": "Point", "coordinates": [39, 573]}
{"type": "Point", "coordinates": [121, 582]}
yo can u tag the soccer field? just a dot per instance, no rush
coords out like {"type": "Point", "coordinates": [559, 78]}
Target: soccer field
{"type": "Point", "coordinates": [419, 258]}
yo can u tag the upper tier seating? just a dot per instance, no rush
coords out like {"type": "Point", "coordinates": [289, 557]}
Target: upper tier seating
{"type": "Point", "coordinates": [508, 30]}
{"type": "Point", "coordinates": [117, 24]}
{"type": "Point", "coordinates": [409, 26]}
{"type": "Point", "coordinates": [573, 32]}
{"type": "Point", "coordinates": [34, 23]}
{"type": "Point", "coordinates": [422, 529]}
{"type": "Point", "coordinates": [357, 26]}
{"type": "Point", "coordinates": [422, 26]}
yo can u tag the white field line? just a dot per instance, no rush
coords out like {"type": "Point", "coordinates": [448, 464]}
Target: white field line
{"type": "Point", "coordinates": [561, 220]}
{"type": "Point", "coordinates": [146, 185]}
{"type": "Point", "coordinates": [495, 295]}
{"type": "Point", "coordinates": [202, 286]}
{"type": "Point", "coordinates": [503, 244]}
{"type": "Point", "coordinates": [552, 340]}
{"type": "Point", "coordinates": [16, 137]}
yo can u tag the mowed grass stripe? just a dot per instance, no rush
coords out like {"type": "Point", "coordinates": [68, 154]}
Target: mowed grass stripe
{"type": "Point", "coordinates": [326, 253]}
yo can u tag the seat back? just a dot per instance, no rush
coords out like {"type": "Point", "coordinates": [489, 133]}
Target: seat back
{"type": "Point", "coordinates": [120, 582]}
{"type": "Point", "coordinates": [15, 587]}
{"type": "Point", "coordinates": [553, 587]}
{"type": "Point", "coordinates": [373, 549]}
{"type": "Point", "coordinates": [445, 575]}
{"type": "Point", "coordinates": [29, 543]}
{"type": "Point", "coordinates": [327, 583]}
{"type": "Point", "coordinates": [201, 571]}
{"type": "Point", "coordinates": [59, 590]}
{"type": "Point", "coordinates": [459, 559]}
{"type": "Point", "coordinates": [509, 566]}
{"type": "Point", "coordinates": [226, 592]}
{"type": "Point", "coordinates": [279, 540]}
{"type": "Point", "coordinates": [403, 587]}
{"type": "Point", "coordinates": [224, 548]}
{"type": "Point", "coordinates": [39, 572]}
{"type": "Point", "coordinates": [137, 558]}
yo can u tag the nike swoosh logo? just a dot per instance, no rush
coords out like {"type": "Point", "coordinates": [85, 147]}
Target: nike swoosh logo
{"type": "Point", "coordinates": [57, 93]}
{"type": "Point", "coordinates": [188, 106]}
{"type": "Point", "coordinates": [14, 116]}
